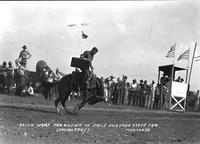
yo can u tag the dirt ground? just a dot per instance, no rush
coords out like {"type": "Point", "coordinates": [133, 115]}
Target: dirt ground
{"type": "Point", "coordinates": [32, 120]}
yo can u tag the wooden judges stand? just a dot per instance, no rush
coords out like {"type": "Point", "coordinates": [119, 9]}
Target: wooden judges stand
{"type": "Point", "coordinates": [175, 97]}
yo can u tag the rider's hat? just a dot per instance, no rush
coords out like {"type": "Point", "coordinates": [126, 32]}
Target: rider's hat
{"type": "Point", "coordinates": [24, 47]}
{"type": "Point", "coordinates": [94, 49]}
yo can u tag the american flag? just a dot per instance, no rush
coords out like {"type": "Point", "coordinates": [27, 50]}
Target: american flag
{"type": "Point", "coordinates": [171, 52]}
{"type": "Point", "coordinates": [197, 58]}
{"type": "Point", "coordinates": [184, 55]}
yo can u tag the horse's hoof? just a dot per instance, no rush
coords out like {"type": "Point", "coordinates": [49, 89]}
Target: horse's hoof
{"type": "Point", "coordinates": [57, 110]}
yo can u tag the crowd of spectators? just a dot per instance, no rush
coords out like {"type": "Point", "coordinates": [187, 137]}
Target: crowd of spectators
{"type": "Point", "coordinates": [136, 93]}
{"type": "Point", "coordinates": [6, 77]}
{"type": "Point", "coordinates": [11, 83]}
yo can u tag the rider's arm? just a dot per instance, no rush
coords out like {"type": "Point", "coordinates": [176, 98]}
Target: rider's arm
{"type": "Point", "coordinates": [29, 55]}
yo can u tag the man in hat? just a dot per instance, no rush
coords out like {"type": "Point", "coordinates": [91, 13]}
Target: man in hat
{"type": "Point", "coordinates": [132, 93]}
{"type": "Point", "coordinates": [89, 55]}
{"type": "Point", "coordinates": [24, 56]}
{"type": "Point", "coordinates": [197, 101]}
{"type": "Point", "coordinates": [3, 76]}
{"type": "Point", "coordinates": [88, 74]}
{"type": "Point", "coordinates": [10, 78]}
{"type": "Point", "coordinates": [152, 95]}
{"type": "Point", "coordinates": [90, 81]}
{"type": "Point", "coordinates": [139, 97]}
{"type": "Point", "coordinates": [109, 86]}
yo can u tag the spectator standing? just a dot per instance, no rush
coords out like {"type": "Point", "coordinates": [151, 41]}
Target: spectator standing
{"type": "Point", "coordinates": [197, 100]}
{"type": "Point", "coordinates": [140, 85]}
{"type": "Point", "coordinates": [123, 89]}
{"type": "Point", "coordinates": [152, 95]}
{"type": "Point", "coordinates": [147, 96]}
{"type": "Point", "coordinates": [3, 76]}
{"type": "Point", "coordinates": [165, 95]}
{"type": "Point", "coordinates": [116, 92]}
{"type": "Point", "coordinates": [10, 78]}
{"type": "Point", "coordinates": [143, 93]}
{"type": "Point", "coordinates": [24, 56]}
{"type": "Point", "coordinates": [105, 88]}
{"type": "Point", "coordinates": [111, 85]}
{"type": "Point", "coordinates": [133, 93]}
{"type": "Point", "coordinates": [157, 96]}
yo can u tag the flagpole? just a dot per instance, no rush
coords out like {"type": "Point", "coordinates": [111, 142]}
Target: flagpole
{"type": "Point", "coordinates": [192, 63]}
{"type": "Point", "coordinates": [188, 82]}
{"type": "Point", "coordinates": [188, 60]}
{"type": "Point", "coordinates": [188, 68]}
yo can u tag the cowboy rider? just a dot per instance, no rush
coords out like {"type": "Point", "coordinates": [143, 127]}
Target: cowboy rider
{"type": "Point", "coordinates": [89, 81]}
{"type": "Point", "coordinates": [88, 55]}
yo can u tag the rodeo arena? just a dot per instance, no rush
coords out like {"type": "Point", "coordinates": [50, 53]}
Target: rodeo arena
{"type": "Point", "coordinates": [19, 86]}
{"type": "Point", "coordinates": [48, 105]}
{"type": "Point", "coordinates": [115, 91]}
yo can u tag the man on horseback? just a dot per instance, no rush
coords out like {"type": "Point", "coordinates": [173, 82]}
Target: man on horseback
{"type": "Point", "coordinates": [90, 86]}
{"type": "Point", "coordinates": [90, 82]}
{"type": "Point", "coordinates": [89, 74]}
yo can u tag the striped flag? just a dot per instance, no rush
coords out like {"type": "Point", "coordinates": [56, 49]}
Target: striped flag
{"type": "Point", "coordinates": [184, 55]}
{"type": "Point", "coordinates": [197, 58]}
{"type": "Point", "coordinates": [171, 52]}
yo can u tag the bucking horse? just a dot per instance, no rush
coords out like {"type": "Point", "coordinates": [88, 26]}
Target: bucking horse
{"type": "Point", "coordinates": [75, 82]}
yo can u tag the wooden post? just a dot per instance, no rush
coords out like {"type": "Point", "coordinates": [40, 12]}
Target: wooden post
{"type": "Point", "coordinates": [158, 76]}
{"type": "Point", "coordinates": [172, 78]}
{"type": "Point", "coordinates": [190, 73]}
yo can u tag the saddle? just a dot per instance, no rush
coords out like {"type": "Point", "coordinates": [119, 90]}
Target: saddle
{"type": "Point", "coordinates": [90, 78]}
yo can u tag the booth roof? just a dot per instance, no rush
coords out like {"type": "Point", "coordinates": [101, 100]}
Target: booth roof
{"type": "Point", "coordinates": [166, 68]}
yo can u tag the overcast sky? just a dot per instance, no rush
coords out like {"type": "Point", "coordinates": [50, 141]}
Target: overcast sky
{"type": "Point", "coordinates": [133, 37]}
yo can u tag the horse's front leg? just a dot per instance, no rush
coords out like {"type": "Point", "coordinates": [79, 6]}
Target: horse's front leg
{"type": "Point", "coordinates": [82, 104]}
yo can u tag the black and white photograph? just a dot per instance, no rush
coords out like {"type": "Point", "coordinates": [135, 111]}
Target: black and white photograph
{"type": "Point", "coordinates": [100, 72]}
